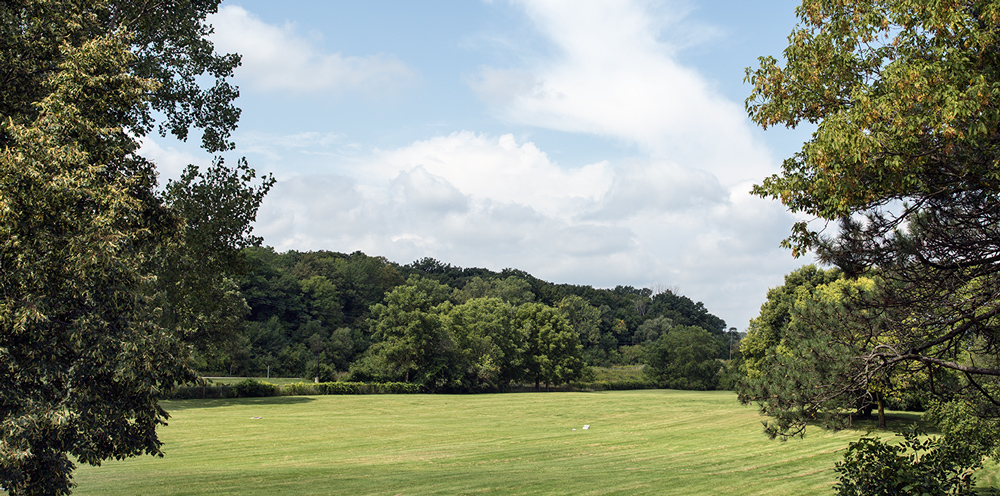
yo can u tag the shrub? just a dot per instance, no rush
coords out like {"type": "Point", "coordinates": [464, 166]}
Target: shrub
{"type": "Point", "coordinates": [200, 392]}
{"type": "Point", "coordinates": [933, 466]}
{"type": "Point", "coordinates": [305, 388]}
{"type": "Point", "coordinates": [299, 389]}
{"type": "Point", "coordinates": [251, 388]}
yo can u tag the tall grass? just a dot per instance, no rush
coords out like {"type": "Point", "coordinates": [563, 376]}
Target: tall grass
{"type": "Point", "coordinates": [618, 373]}
{"type": "Point", "coordinates": [639, 442]}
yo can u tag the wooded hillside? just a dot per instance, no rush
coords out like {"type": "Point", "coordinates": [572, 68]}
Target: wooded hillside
{"type": "Point", "coordinates": [310, 313]}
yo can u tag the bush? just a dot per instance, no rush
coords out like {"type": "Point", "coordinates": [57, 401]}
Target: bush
{"type": "Point", "coordinates": [933, 466]}
{"type": "Point", "coordinates": [299, 389]}
{"type": "Point", "coordinates": [251, 388]}
{"type": "Point", "coordinates": [623, 385]}
{"type": "Point", "coordinates": [305, 388]}
{"type": "Point", "coordinates": [200, 392]}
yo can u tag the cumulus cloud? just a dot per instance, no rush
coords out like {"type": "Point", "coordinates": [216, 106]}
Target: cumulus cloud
{"type": "Point", "coordinates": [467, 198]}
{"type": "Point", "coordinates": [497, 168]}
{"type": "Point", "coordinates": [276, 58]}
{"type": "Point", "coordinates": [650, 186]}
{"type": "Point", "coordinates": [170, 161]}
{"type": "Point", "coordinates": [612, 74]}
{"type": "Point", "coordinates": [477, 200]}
{"type": "Point", "coordinates": [677, 213]}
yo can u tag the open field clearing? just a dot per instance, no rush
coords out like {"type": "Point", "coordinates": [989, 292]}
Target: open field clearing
{"type": "Point", "coordinates": [639, 442]}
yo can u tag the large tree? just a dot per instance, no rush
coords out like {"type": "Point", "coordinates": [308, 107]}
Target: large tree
{"type": "Point", "coordinates": [412, 341]}
{"type": "Point", "coordinates": [905, 165]}
{"type": "Point", "coordinates": [685, 357]}
{"type": "Point", "coordinates": [769, 330]}
{"type": "Point", "coordinates": [486, 333]}
{"type": "Point", "coordinates": [550, 348]}
{"type": "Point", "coordinates": [91, 329]}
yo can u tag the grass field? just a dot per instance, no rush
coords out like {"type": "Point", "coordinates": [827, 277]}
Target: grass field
{"type": "Point", "coordinates": [639, 442]}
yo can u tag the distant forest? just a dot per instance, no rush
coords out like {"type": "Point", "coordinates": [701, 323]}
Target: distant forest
{"type": "Point", "coordinates": [311, 315]}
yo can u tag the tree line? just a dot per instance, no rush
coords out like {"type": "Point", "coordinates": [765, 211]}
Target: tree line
{"type": "Point", "coordinates": [116, 288]}
{"type": "Point", "coordinates": [325, 315]}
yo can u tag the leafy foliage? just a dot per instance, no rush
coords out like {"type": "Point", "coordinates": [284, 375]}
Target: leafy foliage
{"type": "Point", "coordinates": [905, 159]}
{"type": "Point", "coordinates": [917, 466]}
{"type": "Point", "coordinates": [251, 388]}
{"type": "Point", "coordinates": [550, 352]}
{"type": "Point", "coordinates": [411, 340]}
{"type": "Point", "coordinates": [905, 162]}
{"type": "Point", "coordinates": [80, 360]}
{"type": "Point", "coordinates": [313, 311]}
{"type": "Point", "coordinates": [685, 358]}
{"type": "Point", "coordinates": [94, 325]}
{"type": "Point", "coordinates": [486, 332]}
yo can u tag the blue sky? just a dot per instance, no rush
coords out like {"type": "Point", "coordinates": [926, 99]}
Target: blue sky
{"type": "Point", "coordinates": [586, 142]}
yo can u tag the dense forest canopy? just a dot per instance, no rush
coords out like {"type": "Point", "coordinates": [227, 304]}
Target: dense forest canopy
{"type": "Point", "coordinates": [311, 313]}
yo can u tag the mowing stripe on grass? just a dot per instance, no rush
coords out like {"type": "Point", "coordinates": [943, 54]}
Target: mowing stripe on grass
{"type": "Point", "coordinates": [639, 442]}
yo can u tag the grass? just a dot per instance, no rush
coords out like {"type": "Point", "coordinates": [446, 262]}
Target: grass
{"type": "Point", "coordinates": [618, 373]}
{"type": "Point", "coordinates": [639, 442]}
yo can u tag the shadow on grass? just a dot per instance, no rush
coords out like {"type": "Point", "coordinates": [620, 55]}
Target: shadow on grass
{"type": "Point", "coordinates": [178, 405]}
{"type": "Point", "coordinates": [894, 422]}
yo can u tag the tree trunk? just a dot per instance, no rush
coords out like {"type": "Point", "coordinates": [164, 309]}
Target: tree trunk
{"type": "Point", "coordinates": [881, 412]}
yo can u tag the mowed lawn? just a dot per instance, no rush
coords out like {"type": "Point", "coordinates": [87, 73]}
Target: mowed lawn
{"type": "Point", "coordinates": [639, 442]}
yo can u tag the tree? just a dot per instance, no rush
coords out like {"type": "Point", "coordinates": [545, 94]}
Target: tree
{"type": "Point", "coordinates": [550, 352]}
{"type": "Point", "coordinates": [651, 330]}
{"type": "Point", "coordinates": [768, 330]}
{"type": "Point", "coordinates": [487, 334]}
{"type": "Point", "coordinates": [411, 336]}
{"type": "Point", "coordinates": [905, 161]}
{"type": "Point", "coordinates": [584, 318]}
{"type": "Point", "coordinates": [197, 269]}
{"type": "Point", "coordinates": [86, 342]}
{"type": "Point", "coordinates": [808, 373]}
{"type": "Point", "coordinates": [514, 290]}
{"type": "Point", "coordinates": [685, 357]}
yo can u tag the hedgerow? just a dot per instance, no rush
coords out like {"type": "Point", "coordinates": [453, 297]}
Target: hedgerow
{"type": "Point", "coordinates": [251, 388]}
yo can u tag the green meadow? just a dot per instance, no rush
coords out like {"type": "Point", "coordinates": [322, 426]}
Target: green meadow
{"type": "Point", "coordinates": [639, 442]}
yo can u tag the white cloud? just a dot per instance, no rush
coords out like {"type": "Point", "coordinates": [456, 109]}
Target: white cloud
{"type": "Point", "coordinates": [474, 200]}
{"type": "Point", "coordinates": [678, 213]}
{"type": "Point", "coordinates": [170, 162]}
{"type": "Point", "coordinates": [277, 58]}
{"type": "Point", "coordinates": [650, 186]}
{"type": "Point", "coordinates": [499, 169]}
{"type": "Point", "coordinates": [611, 75]}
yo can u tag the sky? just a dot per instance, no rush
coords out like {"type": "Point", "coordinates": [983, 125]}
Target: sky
{"type": "Point", "coordinates": [600, 143]}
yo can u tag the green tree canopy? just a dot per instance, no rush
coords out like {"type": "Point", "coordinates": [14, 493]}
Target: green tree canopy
{"type": "Point", "coordinates": [809, 372]}
{"type": "Point", "coordinates": [550, 350]}
{"type": "Point", "coordinates": [905, 162]}
{"type": "Point", "coordinates": [487, 334]}
{"type": "Point", "coordinates": [92, 330]}
{"type": "Point", "coordinates": [584, 318]}
{"type": "Point", "coordinates": [412, 342]}
{"type": "Point", "coordinates": [685, 357]}
{"type": "Point", "coordinates": [514, 290]}
{"type": "Point", "coordinates": [906, 159]}
{"type": "Point", "coordinates": [768, 330]}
